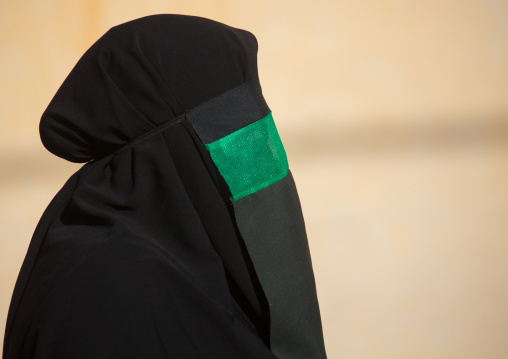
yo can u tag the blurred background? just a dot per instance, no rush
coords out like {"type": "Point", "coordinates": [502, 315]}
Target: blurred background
{"type": "Point", "coordinates": [394, 115]}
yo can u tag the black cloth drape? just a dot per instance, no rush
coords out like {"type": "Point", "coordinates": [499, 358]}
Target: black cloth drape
{"type": "Point", "coordinates": [139, 254]}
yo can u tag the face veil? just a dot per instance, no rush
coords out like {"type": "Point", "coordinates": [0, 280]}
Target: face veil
{"type": "Point", "coordinates": [182, 235]}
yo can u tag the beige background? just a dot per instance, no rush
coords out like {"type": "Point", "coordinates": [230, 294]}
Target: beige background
{"type": "Point", "coordinates": [394, 118]}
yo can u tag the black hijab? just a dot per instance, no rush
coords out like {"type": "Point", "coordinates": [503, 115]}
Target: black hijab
{"type": "Point", "coordinates": [162, 245]}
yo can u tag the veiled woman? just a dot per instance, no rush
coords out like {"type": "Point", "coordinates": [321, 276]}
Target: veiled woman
{"type": "Point", "coordinates": [182, 235]}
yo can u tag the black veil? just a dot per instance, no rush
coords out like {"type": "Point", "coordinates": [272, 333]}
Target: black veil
{"type": "Point", "coordinates": [141, 254]}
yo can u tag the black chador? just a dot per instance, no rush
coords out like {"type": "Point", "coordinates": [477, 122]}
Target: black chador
{"type": "Point", "coordinates": [182, 235]}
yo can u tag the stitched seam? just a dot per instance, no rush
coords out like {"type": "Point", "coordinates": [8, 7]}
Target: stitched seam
{"type": "Point", "coordinates": [153, 132]}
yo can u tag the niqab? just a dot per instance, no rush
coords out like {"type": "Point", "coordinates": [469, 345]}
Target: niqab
{"type": "Point", "coordinates": [163, 244]}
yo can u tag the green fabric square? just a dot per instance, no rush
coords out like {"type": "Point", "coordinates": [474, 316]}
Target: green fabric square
{"type": "Point", "coordinates": [250, 158]}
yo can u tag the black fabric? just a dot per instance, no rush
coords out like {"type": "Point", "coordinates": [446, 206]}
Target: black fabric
{"type": "Point", "coordinates": [273, 228]}
{"type": "Point", "coordinates": [138, 255]}
{"type": "Point", "coordinates": [140, 74]}
{"type": "Point", "coordinates": [229, 112]}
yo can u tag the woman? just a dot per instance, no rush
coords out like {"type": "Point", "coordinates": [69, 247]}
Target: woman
{"type": "Point", "coordinates": [182, 235]}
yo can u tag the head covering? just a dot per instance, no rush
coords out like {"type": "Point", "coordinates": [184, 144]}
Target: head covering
{"type": "Point", "coordinates": [182, 235]}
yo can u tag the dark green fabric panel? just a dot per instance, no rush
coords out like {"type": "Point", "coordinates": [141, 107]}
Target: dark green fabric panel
{"type": "Point", "coordinates": [250, 158]}
{"type": "Point", "coordinates": [272, 225]}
